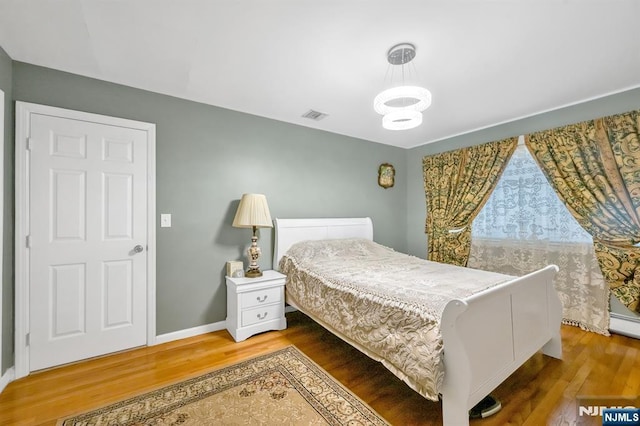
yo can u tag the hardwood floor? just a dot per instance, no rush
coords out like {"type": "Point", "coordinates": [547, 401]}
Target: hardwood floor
{"type": "Point", "coordinates": [543, 391]}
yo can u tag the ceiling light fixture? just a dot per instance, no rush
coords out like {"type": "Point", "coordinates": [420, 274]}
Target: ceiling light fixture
{"type": "Point", "coordinates": [402, 106]}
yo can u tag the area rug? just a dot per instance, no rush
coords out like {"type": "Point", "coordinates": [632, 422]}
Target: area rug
{"type": "Point", "coordinates": [280, 388]}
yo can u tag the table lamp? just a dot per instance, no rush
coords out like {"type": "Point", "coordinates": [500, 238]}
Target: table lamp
{"type": "Point", "coordinates": [253, 212]}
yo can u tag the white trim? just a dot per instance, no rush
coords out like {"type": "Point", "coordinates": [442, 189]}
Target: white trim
{"type": "Point", "coordinates": [290, 308]}
{"type": "Point", "coordinates": [2, 142]}
{"type": "Point", "coordinates": [529, 116]}
{"type": "Point", "coordinates": [23, 117]}
{"type": "Point", "coordinates": [21, 361]}
{"type": "Point", "coordinates": [151, 235]}
{"type": "Point", "coordinates": [7, 378]}
{"type": "Point", "coordinates": [190, 332]}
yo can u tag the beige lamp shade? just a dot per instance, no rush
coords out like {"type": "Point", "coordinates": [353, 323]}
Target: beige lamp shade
{"type": "Point", "coordinates": [253, 211]}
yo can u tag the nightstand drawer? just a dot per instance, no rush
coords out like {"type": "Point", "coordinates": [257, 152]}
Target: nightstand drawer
{"type": "Point", "coordinates": [263, 313]}
{"type": "Point", "coordinates": [264, 296]}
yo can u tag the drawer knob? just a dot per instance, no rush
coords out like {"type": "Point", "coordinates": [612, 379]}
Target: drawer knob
{"type": "Point", "coordinates": [263, 316]}
{"type": "Point", "coordinates": [259, 299]}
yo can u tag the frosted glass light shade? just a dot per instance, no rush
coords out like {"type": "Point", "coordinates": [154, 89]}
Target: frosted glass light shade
{"type": "Point", "coordinates": [253, 211]}
{"type": "Point", "coordinates": [400, 98]}
{"type": "Point", "coordinates": [402, 120]}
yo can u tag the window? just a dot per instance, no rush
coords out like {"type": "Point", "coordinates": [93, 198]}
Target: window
{"type": "Point", "coordinates": [524, 226]}
{"type": "Point", "coordinates": [524, 206]}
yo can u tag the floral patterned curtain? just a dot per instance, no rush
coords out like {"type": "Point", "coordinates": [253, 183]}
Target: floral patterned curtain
{"type": "Point", "coordinates": [457, 184]}
{"type": "Point", "coordinates": [524, 226]}
{"type": "Point", "coordinates": [594, 167]}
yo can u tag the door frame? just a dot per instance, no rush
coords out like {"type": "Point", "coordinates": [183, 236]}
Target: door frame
{"type": "Point", "coordinates": [2, 142]}
{"type": "Point", "coordinates": [24, 111]}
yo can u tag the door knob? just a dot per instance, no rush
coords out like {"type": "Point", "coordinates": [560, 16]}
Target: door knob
{"type": "Point", "coordinates": [138, 249]}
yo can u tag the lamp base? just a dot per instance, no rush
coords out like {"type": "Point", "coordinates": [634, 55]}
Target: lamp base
{"type": "Point", "coordinates": [254, 254]}
{"type": "Point", "coordinates": [253, 273]}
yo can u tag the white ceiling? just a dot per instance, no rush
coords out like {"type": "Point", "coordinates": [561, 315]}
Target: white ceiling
{"type": "Point", "coordinates": [485, 62]}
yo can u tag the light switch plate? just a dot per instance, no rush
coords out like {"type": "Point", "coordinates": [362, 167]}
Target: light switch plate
{"type": "Point", "coordinates": [165, 220]}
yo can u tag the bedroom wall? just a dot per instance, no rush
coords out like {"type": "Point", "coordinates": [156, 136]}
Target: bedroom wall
{"type": "Point", "coordinates": [416, 203]}
{"type": "Point", "coordinates": [206, 158]}
{"type": "Point", "coordinates": [6, 288]}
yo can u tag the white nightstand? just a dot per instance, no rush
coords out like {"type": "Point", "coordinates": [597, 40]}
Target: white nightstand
{"type": "Point", "coordinates": [255, 305]}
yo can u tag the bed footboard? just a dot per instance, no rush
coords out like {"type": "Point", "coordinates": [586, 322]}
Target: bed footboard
{"type": "Point", "coordinates": [489, 335]}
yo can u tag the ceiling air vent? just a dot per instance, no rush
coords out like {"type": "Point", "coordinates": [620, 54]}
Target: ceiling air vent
{"type": "Point", "coordinates": [314, 115]}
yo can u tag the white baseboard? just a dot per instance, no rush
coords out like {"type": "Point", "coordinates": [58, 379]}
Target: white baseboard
{"type": "Point", "coordinates": [202, 329]}
{"type": "Point", "coordinates": [7, 378]}
{"type": "Point", "coordinates": [190, 332]}
{"type": "Point", "coordinates": [629, 327]}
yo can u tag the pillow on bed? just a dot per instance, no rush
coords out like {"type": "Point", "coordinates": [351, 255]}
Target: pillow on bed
{"type": "Point", "coordinates": [319, 250]}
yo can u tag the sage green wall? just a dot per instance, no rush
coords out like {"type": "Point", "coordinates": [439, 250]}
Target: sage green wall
{"type": "Point", "coordinates": [206, 158]}
{"type": "Point", "coordinates": [416, 203]}
{"type": "Point", "coordinates": [6, 288]}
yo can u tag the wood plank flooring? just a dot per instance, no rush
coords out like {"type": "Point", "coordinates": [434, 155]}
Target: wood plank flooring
{"type": "Point", "coordinates": [543, 391]}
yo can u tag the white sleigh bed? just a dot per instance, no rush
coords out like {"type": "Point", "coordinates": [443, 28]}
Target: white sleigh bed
{"type": "Point", "coordinates": [485, 337]}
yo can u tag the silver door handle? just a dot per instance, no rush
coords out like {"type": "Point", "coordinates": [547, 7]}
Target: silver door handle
{"type": "Point", "coordinates": [138, 249]}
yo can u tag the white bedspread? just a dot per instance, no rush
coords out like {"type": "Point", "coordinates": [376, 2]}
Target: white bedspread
{"type": "Point", "coordinates": [386, 303]}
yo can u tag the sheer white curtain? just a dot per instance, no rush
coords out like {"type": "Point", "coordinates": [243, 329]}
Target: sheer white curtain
{"type": "Point", "coordinates": [524, 226]}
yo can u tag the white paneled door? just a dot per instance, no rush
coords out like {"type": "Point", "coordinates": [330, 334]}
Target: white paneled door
{"type": "Point", "coordinates": [87, 239]}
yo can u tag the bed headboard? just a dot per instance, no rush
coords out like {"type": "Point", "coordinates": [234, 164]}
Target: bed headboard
{"type": "Point", "coordinates": [290, 231]}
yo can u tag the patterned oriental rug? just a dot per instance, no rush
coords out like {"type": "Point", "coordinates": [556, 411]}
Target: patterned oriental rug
{"type": "Point", "coordinates": [281, 388]}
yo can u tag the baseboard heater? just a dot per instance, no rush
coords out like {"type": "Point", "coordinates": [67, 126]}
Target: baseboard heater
{"type": "Point", "coordinates": [625, 325]}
